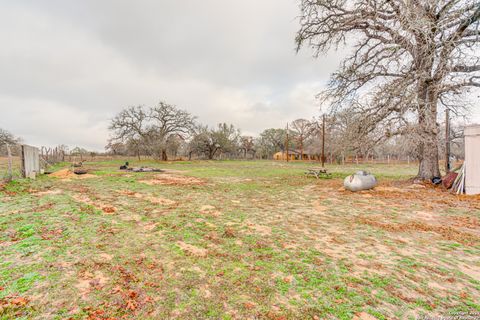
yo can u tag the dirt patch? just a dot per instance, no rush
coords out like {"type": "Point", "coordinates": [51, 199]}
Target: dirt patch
{"type": "Point", "coordinates": [160, 200]}
{"type": "Point", "coordinates": [150, 226]}
{"type": "Point", "coordinates": [105, 256]}
{"type": "Point", "coordinates": [170, 179]}
{"type": "Point", "coordinates": [363, 316]}
{"type": "Point", "coordinates": [107, 209]}
{"type": "Point", "coordinates": [466, 222]}
{"type": "Point", "coordinates": [209, 210]}
{"type": "Point", "coordinates": [90, 281]}
{"type": "Point", "coordinates": [447, 232]}
{"type": "Point", "coordinates": [262, 230]}
{"type": "Point", "coordinates": [66, 174]}
{"type": "Point", "coordinates": [49, 192]}
{"type": "Point", "coordinates": [319, 207]}
{"type": "Point", "coordinates": [192, 250]}
{"type": "Point", "coordinates": [152, 199]}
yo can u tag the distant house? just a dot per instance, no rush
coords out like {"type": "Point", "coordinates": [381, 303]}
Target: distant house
{"type": "Point", "coordinates": [294, 155]}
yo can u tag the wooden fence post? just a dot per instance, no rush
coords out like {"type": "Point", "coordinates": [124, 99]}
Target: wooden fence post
{"type": "Point", "coordinates": [10, 171]}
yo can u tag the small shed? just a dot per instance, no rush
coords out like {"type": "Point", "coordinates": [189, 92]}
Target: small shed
{"type": "Point", "coordinates": [283, 156]}
{"type": "Point", "coordinates": [472, 159]}
{"type": "Point", "coordinates": [30, 161]}
{"type": "Point", "coordinates": [295, 155]}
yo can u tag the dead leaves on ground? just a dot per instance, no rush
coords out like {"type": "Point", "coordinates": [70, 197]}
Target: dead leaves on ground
{"type": "Point", "coordinates": [13, 304]}
{"type": "Point", "coordinates": [49, 234]}
{"type": "Point", "coordinates": [128, 290]}
{"type": "Point", "coordinates": [123, 287]}
{"type": "Point", "coordinates": [14, 301]}
{"type": "Point", "coordinates": [446, 232]}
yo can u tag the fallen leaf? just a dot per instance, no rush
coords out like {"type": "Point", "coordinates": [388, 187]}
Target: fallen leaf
{"type": "Point", "coordinates": [131, 305]}
{"type": "Point", "coordinates": [109, 209]}
{"type": "Point", "coordinates": [19, 301]}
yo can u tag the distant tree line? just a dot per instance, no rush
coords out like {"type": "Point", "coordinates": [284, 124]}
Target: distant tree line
{"type": "Point", "coordinates": [168, 132]}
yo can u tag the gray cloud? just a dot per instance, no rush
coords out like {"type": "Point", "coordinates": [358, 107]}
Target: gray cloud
{"type": "Point", "coordinates": [69, 66]}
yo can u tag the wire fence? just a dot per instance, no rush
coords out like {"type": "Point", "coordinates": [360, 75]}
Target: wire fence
{"type": "Point", "coordinates": [10, 169]}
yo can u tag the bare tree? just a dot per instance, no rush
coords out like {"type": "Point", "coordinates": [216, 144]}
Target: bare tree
{"type": "Point", "coordinates": [302, 129]}
{"type": "Point", "coordinates": [271, 141]}
{"type": "Point", "coordinates": [79, 152]}
{"type": "Point", "coordinates": [204, 143]}
{"type": "Point", "coordinates": [247, 144]}
{"type": "Point", "coordinates": [131, 124]}
{"type": "Point", "coordinates": [137, 148]}
{"type": "Point", "coordinates": [149, 130]}
{"type": "Point", "coordinates": [62, 150]}
{"type": "Point", "coordinates": [174, 143]}
{"type": "Point", "coordinates": [211, 142]}
{"type": "Point", "coordinates": [7, 138]}
{"type": "Point", "coordinates": [410, 58]}
{"type": "Point", "coordinates": [115, 147]}
{"type": "Point", "coordinates": [168, 121]}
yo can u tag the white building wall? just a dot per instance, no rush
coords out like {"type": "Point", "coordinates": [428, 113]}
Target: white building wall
{"type": "Point", "coordinates": [472, 159]}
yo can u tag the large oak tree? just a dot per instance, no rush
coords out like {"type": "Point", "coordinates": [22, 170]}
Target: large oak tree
{"type": "Point", "coordinates": [151, 129]}
{"type": "Point", "coordinates": [410, 59]}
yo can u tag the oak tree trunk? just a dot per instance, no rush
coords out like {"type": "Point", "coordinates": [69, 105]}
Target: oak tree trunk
{"type": "Point", "coordinates": [429, 166]}
{"type": "Point", "coordinates": [428, 133]}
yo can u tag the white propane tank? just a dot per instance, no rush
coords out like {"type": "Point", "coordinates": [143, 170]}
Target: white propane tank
{"type": "Point", "coordinates": [360, 181]}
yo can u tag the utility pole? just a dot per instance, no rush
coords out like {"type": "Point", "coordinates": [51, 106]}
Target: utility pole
{"type": "Point", "coordinates": [286, 143]}
{"type": "Point", "coordinates": [447, 140]}
{"type": "Point", "coordinates": [323, 141]}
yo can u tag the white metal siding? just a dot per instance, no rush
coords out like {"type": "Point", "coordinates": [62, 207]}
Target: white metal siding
{"type": "Point", "coordinates": [31, 161]}
{"type": "Point", "coordinates": [472, 159]}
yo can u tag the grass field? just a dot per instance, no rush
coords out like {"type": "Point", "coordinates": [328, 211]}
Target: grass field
{"type": "Point", "coordinates": [235, 240]}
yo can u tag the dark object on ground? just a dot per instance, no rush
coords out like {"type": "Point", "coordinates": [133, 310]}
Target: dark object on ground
{"type": "Point", "coordinates": [47, 172]}
{"type": "Point", "coordinates": [360, 181]}
{"type": "Point", "coordinates": [145, 169]}
{"type": "Point", "coordinates": [125, 166]}
{"type": "Point", "coordinates": [436, 180]}
{"type": "Point", "coordinates": [80, 171]}
{"type": "Point", "coordinates": [449, 179]}
{"type": "Point", "coordinates": [318, 173]}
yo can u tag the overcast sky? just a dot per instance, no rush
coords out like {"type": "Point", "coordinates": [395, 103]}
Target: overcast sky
{"type": "Point", "coordinates": [68, 66]}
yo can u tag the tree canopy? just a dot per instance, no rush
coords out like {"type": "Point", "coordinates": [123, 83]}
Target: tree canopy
{"type": "Point", "coordinates": [152, 129]}
{"type": "Point", "coordinates": [409, 59]}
